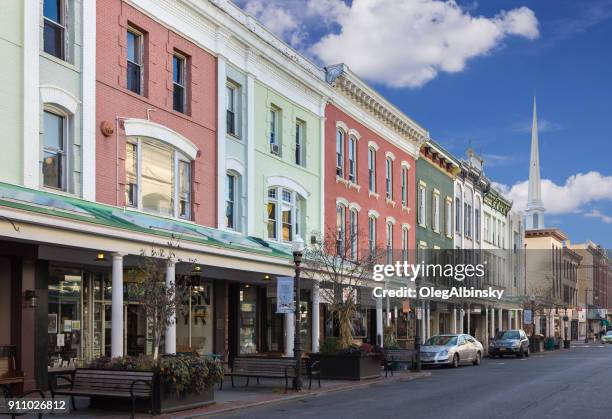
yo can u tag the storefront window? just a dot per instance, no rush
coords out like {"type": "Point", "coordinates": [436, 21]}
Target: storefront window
{"type": "Point", "coordinates": [64, 318]}
{"type": "Point", "coordinates": [194, 324]}
{"type": "Point", "coordinates": [248, 319]}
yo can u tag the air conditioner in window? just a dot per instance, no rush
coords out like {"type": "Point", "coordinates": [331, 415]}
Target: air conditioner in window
{"type": "Point", "coordinates": [274, 149]}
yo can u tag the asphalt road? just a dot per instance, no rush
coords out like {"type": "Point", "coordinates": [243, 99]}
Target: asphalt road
{"type": "Point", "coordinates": [560, 384]}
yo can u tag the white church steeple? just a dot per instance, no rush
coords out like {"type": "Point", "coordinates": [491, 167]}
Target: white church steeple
{"type": "Point", "coordinates": [534, 216]}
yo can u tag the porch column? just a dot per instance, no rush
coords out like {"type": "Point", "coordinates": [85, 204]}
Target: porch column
{"type": "Point", "coordinates": [117, 306]}
{"type": "Point", "coordinates": [289, 327]}
{"type": "Point", "coordinates": [423, 323]}
{"type": "Point", "coordinates": [428, 321]}
{"type": "Point", "coordinates": [379, 322]}
{"type": "Point", "coordinates": [486, 329]}
{"type": "Point", "coordinates": [454, 321]}
{"type": "Point", "coordinates": [500, 319]}
{"type": "Point", "coordinates": [461, 314]}
{"type": "Point", "coordinates": [492, 322]}
{"type": "Point", "coordinates": [388, 314]}
{"type": "Point", "coordinates": [536, 323]}
{"type": "Point", "coordinates": [170, 338]}
{"type": "Point", "coordinates": [316, 298]}
{"type": "Point", "coordinates": [510, 319]}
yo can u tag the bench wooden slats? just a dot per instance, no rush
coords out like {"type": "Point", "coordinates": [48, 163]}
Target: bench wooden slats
{"type": "Point", "coordinates": [401, 356]}
{"type": "Point", "coordinates": [269, 367]}
{"type": "Point", "coordinates": [109, 383]}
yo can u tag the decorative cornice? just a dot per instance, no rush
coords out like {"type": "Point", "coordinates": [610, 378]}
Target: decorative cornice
{"type": "Point", "coordinates": [495, 200]}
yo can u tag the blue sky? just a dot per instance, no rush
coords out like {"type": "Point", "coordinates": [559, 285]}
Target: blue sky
{"type": "Point", "coordinates": [468, 73]}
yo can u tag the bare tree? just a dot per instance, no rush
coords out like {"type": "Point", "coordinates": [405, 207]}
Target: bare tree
{"type": "Point", "coordinates": [160, 301]}
{"type": "Point", "coordinates": [342, 268]}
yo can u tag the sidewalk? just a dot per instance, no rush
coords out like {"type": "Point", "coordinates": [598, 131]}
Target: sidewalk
{"type": "Point", "coordinates": [241, 397]}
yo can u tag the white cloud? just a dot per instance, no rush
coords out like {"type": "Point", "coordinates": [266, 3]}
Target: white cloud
{"type": "Point", "coordinates": [544, 125]}
{"type": "Point", "coordinates": [408, 42]}
{"type": "Point", "coordinates": [578, 190]}
{"type": "Point", "coordinates": [598, 214]}
{"type": "Point", "coordinates": [403, 43]}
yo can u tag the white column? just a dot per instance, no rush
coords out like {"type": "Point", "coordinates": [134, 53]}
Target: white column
{"type": "Point", "coordinates": [486, 329]}
{"type": "Point", "coordinates": [250, 181]}
{"type": "Point", "coordinates": [31, 93]}
{"type": "Point", "coordinates": [88, 130]}
{"type": "Point", "coordinates": [461, 314]}
{"type": "Point", "coordinates": [117, 306]}
{"type": "Point", "coordinates": [170, 344]}
{"type": "Point", "coordinates": [510, 319]}
{"type": "Point", "coordinates": [492, 322]}
{"type": "Point", "coordinates": [388, 314]}
{"type": "Point", "coordinates": [428, 321]}
{"type": "Point", "coordinates": [500, 319]}
{"type": "Point", "coordinates": [316, 298]}
{"type": "Point", "coordinates": [379, 322]}
{"type": "Point", "coordinates": [536, 323]}
{"type": "Point", "coordinates": [289, 333]}
{"type": "Point", "coordinates": [454, 321]}
{"type": "Point", "coordinates": [221, 134]}
{"type": "Point", "coordinates": [517, 315]}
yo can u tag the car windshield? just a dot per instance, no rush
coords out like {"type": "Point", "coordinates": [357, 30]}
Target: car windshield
{"type": "Point", "coordinates": [609, 333]}
{"type": "Point", "coordinates": [508, 334]}
{"type": "Point", "coordinates": [441, 341]}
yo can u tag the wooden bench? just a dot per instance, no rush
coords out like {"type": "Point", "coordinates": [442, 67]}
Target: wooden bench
{"type": "Point", "coordinates": [9, 375]}
{"type": "Point", "coordinates": [271, 367]}
{"type": "Point", "coordinates": [400, 356]}
{"type": "Point", "coordinates": [108, 383]}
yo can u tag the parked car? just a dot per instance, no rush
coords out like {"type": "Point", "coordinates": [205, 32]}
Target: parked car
{"type": "Point", "coordinates": [509, 342]}
{"type": "Point", "coordinates": [607, 338]}
{"type": "Point", "coordinates": [451, 350]}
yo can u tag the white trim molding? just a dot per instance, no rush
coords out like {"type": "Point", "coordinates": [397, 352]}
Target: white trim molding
{"type": "Point", "coordinates": [355, 206]}
{"type": "Point", "coordinates": [391, 220]}
{"type": "Point", "coordinates": [341, 125]}
{"type": "Point", "coordinates": [353, 132]}
{"type": "Point", "coordinates": [372, 144]}
{"type": "Point", "coordinates": [31, 107]}
{"type": "Point", "coordinates": [53, 95]}
{"type": "Point", "coordinates": [288, 183]}
{"type": "Point", "coordinates": [373, 213]}
{"type": "Point", "coordinates": [390, 155]}
{"type": "Point", "coordinates": [406, 226]}
{"type": "Point", "coordinates": [88, 130]}
{"type": "Point", "coordinates": [234, 165]}
{"type": "Point", "coordinates": [342, 201]}
{"type": "Point", "coordinates": [144, 128]}
{"type": "Point", "coordinates": [405, 164]}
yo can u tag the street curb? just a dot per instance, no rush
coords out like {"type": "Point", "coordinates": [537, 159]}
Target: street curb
{"type": "Point", "coordinates": [316, 393]}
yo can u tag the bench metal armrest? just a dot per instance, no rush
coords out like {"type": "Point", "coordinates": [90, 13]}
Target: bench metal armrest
{"type": "Point", "coordinates": [36, 390]}
{"type": "Point", "coordinates": [63, 377]}
{"type": "Point", "coordinates": [314, 366]}
{"type": "Point", "coordinates": [140, 381]}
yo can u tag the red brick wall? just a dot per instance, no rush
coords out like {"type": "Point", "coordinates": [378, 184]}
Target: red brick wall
{"type": "Point", "coordinates": [114, 100]}
{"type": "Point", "coordinates": [335, 189]}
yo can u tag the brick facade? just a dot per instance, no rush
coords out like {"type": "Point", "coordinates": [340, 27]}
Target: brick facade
{"type": "Point", "coordinates": [114, 100]}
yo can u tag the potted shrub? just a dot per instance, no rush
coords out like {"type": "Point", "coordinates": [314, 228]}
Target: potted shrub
{"type": "Point", "coordinates": [182, 381]}
{"type": "Point", "coordinates": [351, 363]}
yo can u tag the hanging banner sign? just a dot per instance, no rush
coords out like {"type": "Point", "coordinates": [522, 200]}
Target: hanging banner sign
{"type": "Point", "coordinates": [527, 316]}
{"type": "Point", "coordinates": [284, 295]}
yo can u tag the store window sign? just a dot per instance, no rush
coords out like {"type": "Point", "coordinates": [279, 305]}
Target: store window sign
{"type": "Point", "coordinates": [284, 295]}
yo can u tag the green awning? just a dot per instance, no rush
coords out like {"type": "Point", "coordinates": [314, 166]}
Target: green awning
{"type": "Point", "coordinates": [67, 207]}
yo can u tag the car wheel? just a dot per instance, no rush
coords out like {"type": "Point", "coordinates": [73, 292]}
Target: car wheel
{"type": "Point", "coordinates": [527, 352]}
{"type": "Point", "coordinates": [521, 354]}
{"type": "Point", "coordinates": [455, 362]}
{"type": "Point", "coordinates": [477, 359]}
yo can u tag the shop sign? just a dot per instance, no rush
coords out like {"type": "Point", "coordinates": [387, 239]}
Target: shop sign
{"type": "Point", "coordinates": [406, 306]}
{"type": "Point", "coordinates": [284, 295]}
{"type": "Point", "coordinates": [476, 310]}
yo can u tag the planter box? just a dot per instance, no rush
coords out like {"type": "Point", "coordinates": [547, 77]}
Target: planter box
{"type": "Point", "coordinates": [163, 401]}
{"type": "Point", "coordinates": [349, 367]}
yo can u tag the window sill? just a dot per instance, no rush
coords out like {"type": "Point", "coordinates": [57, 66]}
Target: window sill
{"type": "Point", "coordinates": [373, 194]}
{"type": "Point", "coordinates": [390, 202]}
{"type": "Point", "coordinates": [353, 185]}
{"type": "Point", "coordinates": [405, 208]}
{"type": "Point", "coordinates": [59, 61]}
{"type": "Point", "coordinates": [342, 180]}
{"type": "Point", "coordinates": [234, 137]}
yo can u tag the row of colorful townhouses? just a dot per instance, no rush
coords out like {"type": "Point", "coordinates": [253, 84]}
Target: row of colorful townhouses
{"type": "Point", "coordinates": [127, 124]}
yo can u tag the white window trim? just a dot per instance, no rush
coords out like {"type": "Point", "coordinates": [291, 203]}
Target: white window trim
{"type": "Point", "coordinates": [144, 128]}
{"type": "Point", "coordinates": [296, 218]}
{"type": "Point", "coordinates": [54, 95]}
{"type": "Point", "coordinates": [354, 133]}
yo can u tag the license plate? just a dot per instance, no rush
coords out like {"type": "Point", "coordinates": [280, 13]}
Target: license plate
{"type": "Point", "coordinates": [502, 349]}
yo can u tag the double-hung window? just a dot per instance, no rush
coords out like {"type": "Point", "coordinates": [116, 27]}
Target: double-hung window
{"type": "Point", "coordinates": [54, 151]}
{"type": "Point", "coordinates": [353, 233]}
{"type": "Point", "coordinates": [449, 218]}
{"type": "Point", "coordinates": [372, 234]}
{"type": "Point", "coordinates": [436, 211]}
{"type": "Point", "coordinates": [372, 169]}
{"type": "Point", "coordinates": [404, 187]}
{"type": "Point", "coordinates": [158, 178]}
{"type": "Point", "coordinates": [340, 229]}
{"type": "Point", "coordinates": [405, 244]}
{"type": "Point", "coordinates": [230, 201]}
{"type": "Point", "coordinates": [340, 153]}
{"type": "Point", "coordinates": [458, 215]}
{"type": "Point", "coordinates": [179, 96]}
{"type": "Point", "coordinates": [230, 110]}
{"type": "Point", "coordinates": [389, 242]}
{"type": "Point", "coordinates": [422, 206]}
{"type": "Point", "coordinates": [274, 131]}
{"type": "Point", "coordinates": [134, 61]}
{"type": "Point", "coordinates": [352, 159]}
{"type": "Point", "coordinates": [477, 223]}
{"type": "Point", "coordinates": [299, 142]}
{"type": "Point", "coordinates": [389, 178]}
{"type": "Point", "coordinates": [54, 31]}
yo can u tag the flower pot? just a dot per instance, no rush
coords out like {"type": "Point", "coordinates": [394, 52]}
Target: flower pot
{"type": "Point", "coordinates": [349, 366]}
{"type": "Point", "coordinates": [167, 401]}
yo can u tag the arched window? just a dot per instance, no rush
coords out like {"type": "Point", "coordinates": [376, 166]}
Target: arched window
{"type": "Point", "coordinates": [389, 178]}
{"type": "Point", "coordinates": [232, 194]}
{"type": "Point", "coordinates": [340, 153]}
{"type": "Point", "coordinates": [389, 247]}
{"type": "Point", "coordinates": [340, 229]}
{"type": "Point", "coordinates": [284, 211]}
{"type": "Point", "coordinates": [55, 149]}
{"type": "Point", "coordinates": [372, 234]}
{"type": "Point", "coordinates": [372, 169]}
{"type": "Point", "coordinates": [405, 243]}
{"type": "Point", "coordinates": [353, 233]}
{"type": "Point", "coordinates": [404, 187]}
{"type": "Point", "coordinates": [158, 177]}
{"type": "Point", "coordinates": [352, 159]}
{"type": "Point", "coordinates": [477, 219]}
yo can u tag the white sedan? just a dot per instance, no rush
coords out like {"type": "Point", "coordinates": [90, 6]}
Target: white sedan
{"type": "Point", "coordinates": [451, 350]}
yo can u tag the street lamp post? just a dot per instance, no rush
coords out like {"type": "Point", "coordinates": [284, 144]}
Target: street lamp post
{"type": "Point", "coordinates": [298, 250]}
{"type": "Point", "coordinates": [532, 299]}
